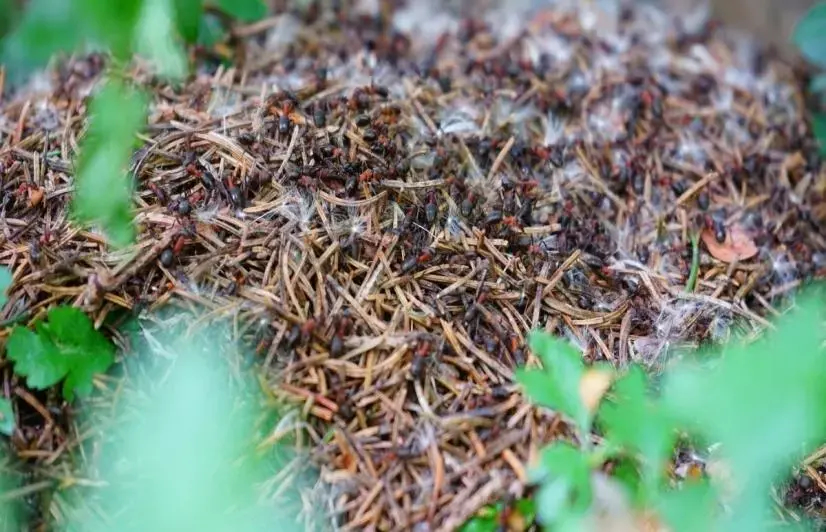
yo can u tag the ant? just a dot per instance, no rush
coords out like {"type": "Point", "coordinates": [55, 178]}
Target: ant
{"type": "Point", "coordinates": [417, 260]}
{"type": "Point", "coordinates": [194, 168]}
{"type": "Point", "coordinates": [422, 359]}
{"type": "Point", "coordinates": [301, 332]}
{"type": "Point", "coordinates": [168, 255]}
{"type": "Point", "coordinates": [289, 101]}
{"type": "Point", "coordinates": [431, 209]}
{"type": "Point", "coordinates": [235, 195]}
{"type": "Point", "coordinates": [343, 327]}
{"type": "Point", "coordinates": [159, 193]}
{"type": "Point", "coordinates": [717, 225]}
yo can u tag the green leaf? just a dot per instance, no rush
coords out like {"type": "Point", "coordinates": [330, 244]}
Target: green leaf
{"type": "Point", "coordinates": [553, 500]}
{"type": "Point", "coordinates": [819, 130]}
{"type": "Point", "coordinates": [183, 456]}
{"type": "Point", "coordinates": [10, 507]}
{"type": "Point", "coordinates": [67, 345]}
{"type": "Point", "coordinates": [810, 34]}
{"type": "Point", "coordinates": [633, 420]}
{"type": "Point", "coordinates": [113, 22]}
{"type": "Point", "coordinates": [36, 357]}
{"type": "Point", "coordinates": [188, 16]}
{"type": "Point", "coordinates": [155, 39]}
{"type": "Point", "coordinates": [565, 473]}
{"type": "Point", "coordinates": [211, 30]}
{"type": "Point", "coordinates": [556, 385]}
{"type": "Point", "coordinates": [689, 509]}
{"type": "Point", "coordinates": [627, 474]}
{"type": "Point", "coordinates": [818, 84]}
{"type": "Point", "coordinates": [10, 18]}
{"type": "Point", "coordinates": [6, 417]}
{"type": "Point", "coordinates": [486, 520]}
{"type": "Point", "coordinates": [5, 283]}
{"type": "Point", "coordinates": [244, 10]}
{"type": "Point", "coordinates": [104, 193]}
{"type": "Point", "coordinates": [763, 402]}
{"type": "Point", "coordinates": [527, 509]}
{"type": "Point", "coordinates": [46, 27]}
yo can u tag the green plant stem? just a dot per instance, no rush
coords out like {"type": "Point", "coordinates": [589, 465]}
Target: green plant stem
{"type": "Point", "coordinates": [695, 262]}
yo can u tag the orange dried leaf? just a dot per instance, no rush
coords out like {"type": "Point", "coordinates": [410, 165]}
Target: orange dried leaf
{"type": "Point", "coordinates": [737, 245]}
{"type": "Point", "coordinates": [35, 196]}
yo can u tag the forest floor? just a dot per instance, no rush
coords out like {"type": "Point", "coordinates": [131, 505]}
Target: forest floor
{"type": "Point", "coordinates": [386, 205]}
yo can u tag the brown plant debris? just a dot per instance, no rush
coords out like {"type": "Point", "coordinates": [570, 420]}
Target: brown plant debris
{"type": "Point", "coordinates": [386, 203]}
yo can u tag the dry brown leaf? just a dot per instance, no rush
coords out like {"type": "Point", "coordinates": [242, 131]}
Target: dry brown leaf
{"type": "Point", "coordinates": [738, 245]}
{"type": "Point", "coordinates": [593, 385]}
{"type": "Point", "coordinates": [35, 196]}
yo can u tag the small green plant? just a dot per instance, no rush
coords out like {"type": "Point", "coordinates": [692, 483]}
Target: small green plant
{"type": "Point", "coordinates": [6, 417]}
{"type": "Point", "coordinates": [518, 515]}
{"type": "Point", "coordinates": [5, 283]}
{"type": "Point", "coordinates": [183, 445]}
{"type": "Point", "coordinates": [66, 347]}
{"type": "Point", "coordinates": [810, 38]}
{"type": "Point", "coordinates": [10, 511]}
{"type": "Point", "coordinates": [764, 403]}
{"type": "Point", "coordinates": [153, 29]}
{"type": "Point", "coordinates": [6, 412]}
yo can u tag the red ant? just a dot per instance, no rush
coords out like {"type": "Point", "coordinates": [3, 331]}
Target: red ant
{"type": "Point", "coordinates": [416, 260]}
{"type": "Point", "coordinates": [512, 222]}
{"type": "Point", "coordinates": [307, 329]}
{"type": "Point", "coordinates": [159, 193]}
{"type": "Point", "coordinates": [342, 328]}
{"type": "Point", "coordinates": [367, 176]}
{"type": "Point", "coordinates": [420, 359]}
{"type": "Point", "coordinates": [431, 208]}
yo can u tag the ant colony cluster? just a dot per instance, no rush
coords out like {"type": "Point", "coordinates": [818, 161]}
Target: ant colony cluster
{"type": "Point", "coordinates": [398, 195]}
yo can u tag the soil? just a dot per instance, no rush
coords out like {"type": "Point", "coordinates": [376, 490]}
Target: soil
{"type": "Point", "coordinates": [387, 202]}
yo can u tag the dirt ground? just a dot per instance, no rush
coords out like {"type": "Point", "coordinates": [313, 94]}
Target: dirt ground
{"type": "Point", "coordinates": [385, 203]}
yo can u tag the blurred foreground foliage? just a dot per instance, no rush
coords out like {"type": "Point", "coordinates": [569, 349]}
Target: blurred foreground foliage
{"type": "Point", "coordinates": [186, 440]}
{"type": "Point", "coordinates": [762, 403]}
{"type": "Point", "coordinates": [155, 30]}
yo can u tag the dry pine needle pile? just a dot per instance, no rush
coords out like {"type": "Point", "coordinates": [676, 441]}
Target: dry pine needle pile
{"type": "Point", "coordinates": [387, 201]}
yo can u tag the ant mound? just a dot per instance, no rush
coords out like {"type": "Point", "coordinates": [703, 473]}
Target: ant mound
{"type": "Point", "coordinates": [387, 202]}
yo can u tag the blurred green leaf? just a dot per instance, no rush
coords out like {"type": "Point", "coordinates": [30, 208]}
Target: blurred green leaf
{"type": "Point", "coordinates": [9, 18]}
{"type": "Point", "coordinates": [67, 345]}
{"type": "Point", "coordinates": [489, 518]}
{"type": "Point", "coordinates": [818, 84]}
{"type": "Point", "coordinates": [10, 520]}
{"type": "Point", "coordinates": [485, 520]}
{"type": "Point", "coordinates": [45, 28]}
{"type": "Point", "coordinates": [5, 283]}
{"type": "Point", "coordinates": [810, 34]}
{"type": "Point", "coordinates": [557, 384]}
{"type": "Point", "coordinates": [6, 417]}
{"type": "Point", "coordinates": [819, 130]}
{"type": "Point", "coordinates": [527, 509]}
{"type": "Point", "coordinates": [211, 30]}
{"type": "Point", "coordinates": [633, 420]}
{"type": "Point", "coordinates": [565, 473]}
{"type": "Point", "coordinates": [627, 474]}
{"type": "Point", "coordinates": [113, 22]}
{"type": "Point", "coordinates": [186, 459]}
{"type": "Point", "coordinates": [103, 191]}
{"type": "Point", "coordinates": [690, 508]}
{"type": "Point", "coordinates": [155, 39]}
{"type": "Point", "coordinates": [764, 402]}
{"type": "Point", "coordinates": [188, 15]}
{"type": "Point", "coordinates": [244, 10]}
